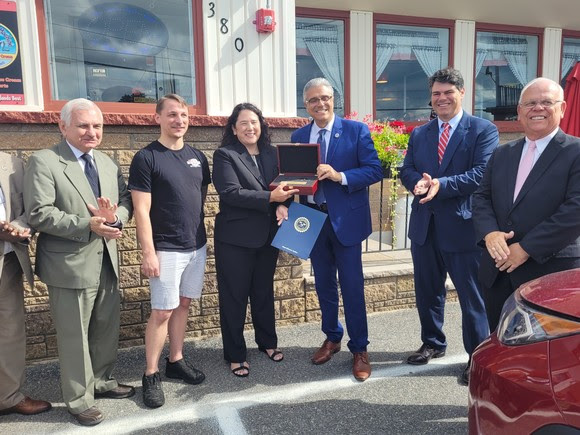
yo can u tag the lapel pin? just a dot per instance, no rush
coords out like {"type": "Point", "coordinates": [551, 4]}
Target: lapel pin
{"type": "Point", "coordinates": [336, 135]}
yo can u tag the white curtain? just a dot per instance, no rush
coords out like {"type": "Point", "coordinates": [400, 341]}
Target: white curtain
{"type": "Point", "coordinates": [384, 54]}
{"type": "Point", "coordinates": [324, 44]}
{"type": "Point", "coordinates": [480, 55]}
{"type": "Point", "coordinates": [423, 44]}
{"type": "Point", "coordinates": [571, 55]}
{"type": "Point", "coordinates": [511, 48]}
{"type": "Point", "coordinates": [429, 58]}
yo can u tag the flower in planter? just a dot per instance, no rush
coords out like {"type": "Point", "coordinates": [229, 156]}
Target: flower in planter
{"type": "Point", "coordinates": [390, 139]}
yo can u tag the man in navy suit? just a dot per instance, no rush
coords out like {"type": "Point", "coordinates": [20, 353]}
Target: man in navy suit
{"type": "Point", "coordinates": [349, 165]}
{"type": "Point", "coordinates": [529, 220]}
{"type": "Point", "coordinates": [443, 166]}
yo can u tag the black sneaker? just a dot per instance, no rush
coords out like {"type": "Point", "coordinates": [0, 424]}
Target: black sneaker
{"type": "Point", "coordinates": [183, 370]}
{"type": "Point", "coordinates": [153, 396]}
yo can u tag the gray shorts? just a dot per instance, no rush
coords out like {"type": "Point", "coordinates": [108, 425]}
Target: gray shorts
{"type": "Point", "coordinates": [180, 275]}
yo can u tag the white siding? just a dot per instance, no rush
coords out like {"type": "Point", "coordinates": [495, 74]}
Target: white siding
{"type": "Point", "coordinates": [551, 62]}
{"type": "Point", "coordinates": [464, 58]}
{"type": "Point", "coordinates": [361, 63]}
{"type": "Point", "coordinates": [263, 72]}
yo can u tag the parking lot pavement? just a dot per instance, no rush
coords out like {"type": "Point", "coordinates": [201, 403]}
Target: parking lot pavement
{"type": "Point", "coordinates": [291, 397]}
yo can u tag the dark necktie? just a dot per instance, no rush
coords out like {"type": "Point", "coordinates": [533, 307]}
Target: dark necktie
{"type": "Point", "coordinates": [91, 174]}
{"type": "Point", "coordinates": [319, 197]}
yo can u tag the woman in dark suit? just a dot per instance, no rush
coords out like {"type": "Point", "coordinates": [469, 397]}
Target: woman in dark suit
{"type": "Point", "coordinates": [243, 167]}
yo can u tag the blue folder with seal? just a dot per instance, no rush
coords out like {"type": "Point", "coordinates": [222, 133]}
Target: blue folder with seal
{"type": "Point", "coordinates": [298, 234]}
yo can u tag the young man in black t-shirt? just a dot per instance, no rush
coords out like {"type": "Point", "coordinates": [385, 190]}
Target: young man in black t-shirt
{"type": "Point", "coordinates": [168, 181]}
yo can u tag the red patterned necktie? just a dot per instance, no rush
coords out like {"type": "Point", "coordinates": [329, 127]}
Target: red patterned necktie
{"type": "Point", "coordinates": [443, 140]}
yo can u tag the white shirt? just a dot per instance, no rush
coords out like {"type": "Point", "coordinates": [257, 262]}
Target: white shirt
{"type": "Point", "coordinates": [453, 123]}
{"type": "Point", "coordinates": [541, 145]}
{"type": "Point", "coordinates": [78, 154]}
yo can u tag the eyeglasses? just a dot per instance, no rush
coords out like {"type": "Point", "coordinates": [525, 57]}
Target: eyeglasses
{"type": "Point", "coordinates": [546, 104]}
{"type": "Point", "coordinates": [316, 100]}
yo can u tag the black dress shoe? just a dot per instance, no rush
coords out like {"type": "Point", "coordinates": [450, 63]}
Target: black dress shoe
{"type": "Point", "coordinates": [424, 354]}
{"type": "Point", "coordinates": [119, 392]}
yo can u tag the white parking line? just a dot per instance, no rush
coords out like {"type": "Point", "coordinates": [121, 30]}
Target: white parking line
{"type": "Point", "coordinates": [229, 421]}
{"type": "Point", "coordinates": [226, 409]}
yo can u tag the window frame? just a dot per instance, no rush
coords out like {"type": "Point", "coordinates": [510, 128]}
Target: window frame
{"type": "Point", "coordinates": [402, 20]}
{"type": "Point", "coordinates": [51, 105]}
{"type": "Point", "coordinates": [334, 15]}
{"type": "Point", "coordinates": [567, 34]}
{"type": "Point", "coordinates": [508, 126]}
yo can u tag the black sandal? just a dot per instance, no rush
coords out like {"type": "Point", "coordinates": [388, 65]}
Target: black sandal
{"type": "Point", "coordinates": [273, 355]}
{"type": "Point", "coordinates": [238, 371]}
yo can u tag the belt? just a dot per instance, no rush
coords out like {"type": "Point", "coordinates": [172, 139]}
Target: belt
{"type": "Point", "coordinates": [322, 207]}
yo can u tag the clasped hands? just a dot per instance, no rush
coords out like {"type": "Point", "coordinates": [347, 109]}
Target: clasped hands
{"type": "Point", "coordinates": [506, 257]}
{"type": "Point", "coordinates": [12, 234]}
{"type": "Point", "coordinates": [426, 185]}
{"type": "Point", "coordinates": [105, 213]}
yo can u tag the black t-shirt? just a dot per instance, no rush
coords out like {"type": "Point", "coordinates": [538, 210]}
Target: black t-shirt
{"type": "Point", "coordinates": [175, 180]}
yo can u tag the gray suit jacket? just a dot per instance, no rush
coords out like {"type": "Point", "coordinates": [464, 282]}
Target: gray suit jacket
{"type": "Point", "coordinates": [56, 194]}
{"type": "Point", "coordinates": [11, 180]}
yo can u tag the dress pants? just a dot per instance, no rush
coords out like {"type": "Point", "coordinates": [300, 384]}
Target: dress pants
{"type": "Point", "coordinates": [12, 332]}
{"type": "Point", "coordinates": [87, 332]}
{"type": "Point", "coordinates": [242, 273]}
{"type": "Point", "coordinates": [329, 256]}
{"type": "Point", "coordinates": [431, 266]}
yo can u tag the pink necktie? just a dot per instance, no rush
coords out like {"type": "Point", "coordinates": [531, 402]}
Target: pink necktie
{"type": "Point", "coordinates": [443, 139]}
{"type": "Point", "coordinates": [525, 167]}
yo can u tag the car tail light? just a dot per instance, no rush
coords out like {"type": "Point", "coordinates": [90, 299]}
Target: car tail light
{"type": "Point", "coordinates": [521, 324]}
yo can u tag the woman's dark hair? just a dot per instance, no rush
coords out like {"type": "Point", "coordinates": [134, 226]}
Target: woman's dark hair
{"type": "Point", "coordinates": [229, 137]}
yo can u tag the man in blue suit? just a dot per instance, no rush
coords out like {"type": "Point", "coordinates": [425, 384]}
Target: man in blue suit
{"type": "Point", "coordinates": [349, 165]}
{"type": "Point", "coordinates": [443, 166]}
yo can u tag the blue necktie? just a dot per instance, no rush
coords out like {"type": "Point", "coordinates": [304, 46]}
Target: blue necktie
{"type": "Point", "coordinates": [319, 197]}
{"type": "Point", "coordinates": [91, 174]}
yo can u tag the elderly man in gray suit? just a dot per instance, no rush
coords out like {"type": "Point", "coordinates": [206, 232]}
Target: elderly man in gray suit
{"type": "Point", "coordinates": [77, 198]}
{"type": "Point", "coordinates": [14, 260]}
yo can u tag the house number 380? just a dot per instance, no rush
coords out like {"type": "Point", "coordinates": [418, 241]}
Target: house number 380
{"type": "Point", "coordinates": [238, 42]}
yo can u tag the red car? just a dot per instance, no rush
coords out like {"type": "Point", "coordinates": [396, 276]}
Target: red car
{"type": "Point", "coordinates": [525, 378]}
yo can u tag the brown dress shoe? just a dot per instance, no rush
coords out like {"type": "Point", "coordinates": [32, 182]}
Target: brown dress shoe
{"type": "Point", "coordinates": [119, 392]}
{"type": "Point", "coordinates": [89, 417]}
{"type": "Point", "coordinates": [361, 368]}
{"type": "Point", "coordinates": [28, 406]}
{"type": "Point", "coordinates": [325, 352]}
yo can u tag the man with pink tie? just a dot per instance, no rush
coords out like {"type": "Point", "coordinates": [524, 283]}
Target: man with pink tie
{"type": "Point", "coordinates": [527, 209]}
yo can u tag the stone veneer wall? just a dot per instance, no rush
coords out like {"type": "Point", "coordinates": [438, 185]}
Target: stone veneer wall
{"type": "Point", "coordinates": [295, 297]}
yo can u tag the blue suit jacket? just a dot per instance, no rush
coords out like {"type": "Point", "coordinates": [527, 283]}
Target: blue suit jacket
{"type": "Point", "coordinates": [460, 173]}
{"type": "Point", "coordinates": [351, 150]}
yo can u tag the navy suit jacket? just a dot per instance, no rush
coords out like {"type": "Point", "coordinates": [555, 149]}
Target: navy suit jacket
{"type": "Point", "coordinates": [350, 150]}
{"type": "Point", "coordinates": [545, 216]}
{"type": "Point", "coordinates": [459, 174]}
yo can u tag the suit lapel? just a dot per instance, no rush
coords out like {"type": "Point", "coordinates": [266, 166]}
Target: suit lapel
{"type": "Point", "coordinates": [432, 140]}
{"type": "Point", "coordinates": [513, 163]}
{"type": "Point", "coordinates": [72, 170]}
{"type": "Point", "coordinates": [456, 139]}
{"type": "Point", "coordinates": [248, 162]}
{"type": "Point", "coordinates": [335, 138]}
{"type": "Point", "coordinates": [545, 160]}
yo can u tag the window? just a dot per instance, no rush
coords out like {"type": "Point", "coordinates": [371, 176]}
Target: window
{"type": "Point", "coordinates": [570, 56]}
{"type": "Point", "coordinates": [406, 56]}
{"type": "Point", "coordinates": [112, 52]}
{"type": "Point", "coordinates": [320, 53]}
{"type": "Point", "coordinates": [504, 63]}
